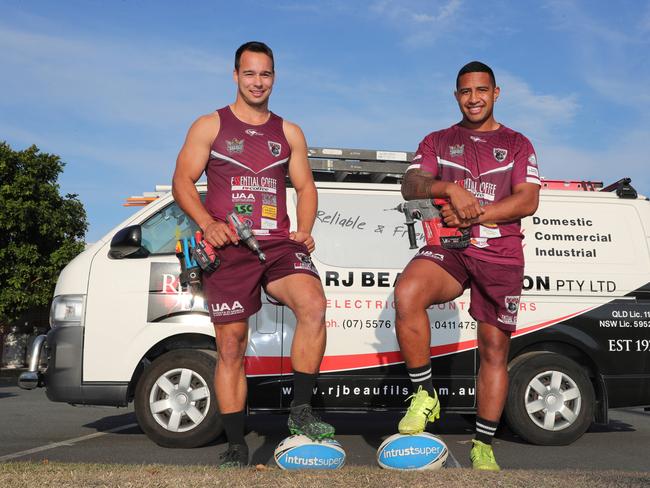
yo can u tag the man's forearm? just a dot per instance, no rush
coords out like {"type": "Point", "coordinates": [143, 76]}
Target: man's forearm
{"type": "Point", "coordinates": [188, 199]}
{"type": "Point", "coordinates": [306, 207]}
{"type": "Point", "coordinates": [513, 207]}
{"type": "Point", "coordinates": [421, 185]}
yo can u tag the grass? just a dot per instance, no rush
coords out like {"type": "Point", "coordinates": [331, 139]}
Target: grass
{"type": "Point", "coordinates": [46, 474]}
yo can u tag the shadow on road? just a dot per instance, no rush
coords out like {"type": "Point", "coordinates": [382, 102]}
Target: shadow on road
{"type": "Point", "coordinates": [108, 423]}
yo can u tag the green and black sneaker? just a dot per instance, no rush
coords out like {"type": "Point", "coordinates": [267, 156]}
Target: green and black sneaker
{"type": "Point", "coordinates": [302, 420]}
{"type": "Point", "coordinates": [236, 456]}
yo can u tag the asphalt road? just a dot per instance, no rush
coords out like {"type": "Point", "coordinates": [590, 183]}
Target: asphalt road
{"type": "Point", "coordinates": [33, 428]}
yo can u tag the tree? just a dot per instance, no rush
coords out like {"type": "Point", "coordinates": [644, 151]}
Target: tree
{"type": "Point", "coordinates": [40, 230]}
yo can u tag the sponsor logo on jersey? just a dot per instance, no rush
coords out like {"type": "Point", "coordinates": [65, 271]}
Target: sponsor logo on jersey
{"type": "Point", "coordinates": [500, 154]}
{"type": "Point", "coordinates": [532, 171]}
{"type": "Point", "coordinates": [253, 132]}
{"type": "Point", "coordinates": [489, 231]}
{"type": "Point", "coordinates": [226, 308]}
{"type": "Point", "coordinates": [477, 139]}
{"type": "Point", "coordinates": [254, 183]}
{"type": "Point", "coordinates": [270, 211]}
{"type": "Point", "coordinates": [480, 189]}
{"type": "Point", "coordinates": [512, 304]}
{"type": "Point", "coordinates": [268, 224]}
{"type": "Point", "coordinates": [275, 148]}
{"type": "Point", "coordinates": [269, 199]}
{"type": "Point", "coordinates": [480, 242]}
{"type": "Point", "coordinates": [242, 197]}
{"type": "Point", "coordinates": [532, 159]}
{"type": "Point", "coordinates": [507, 319]}
{"type": "Point", "coordinates": [244, 209]}
{"type": "Point", "coordinates": [457, 150]}
{"type": "Point", "coordinates": [417, 157]}
{"type": "Point", "coordinates": [235, 146]}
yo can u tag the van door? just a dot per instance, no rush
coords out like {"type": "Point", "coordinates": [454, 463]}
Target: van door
{"type": "Point", "coordinates": [361, 248]}
{"type": "Point", "coordinates": [133, 304]}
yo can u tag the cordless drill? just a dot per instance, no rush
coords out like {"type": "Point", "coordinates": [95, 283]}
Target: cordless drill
{"type": "Point", "coordinates": [436, 232]}
{"type": "Point", "coordinates": [245, 234]}
{"type": "Point", "coordinates": [196, 255]}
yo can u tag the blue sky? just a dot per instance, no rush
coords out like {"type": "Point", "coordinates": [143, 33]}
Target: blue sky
{"type": "Point", "coordinates": [112, 87]}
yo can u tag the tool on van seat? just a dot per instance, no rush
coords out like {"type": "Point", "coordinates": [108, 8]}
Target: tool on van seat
{"type": "Point", "coordinates": [436, 232]}
{"type": "Point", "coordinates": [245, 234]}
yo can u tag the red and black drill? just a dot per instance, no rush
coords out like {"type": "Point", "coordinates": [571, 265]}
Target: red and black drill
{"type": "Point", "coordinates": [436, 233]}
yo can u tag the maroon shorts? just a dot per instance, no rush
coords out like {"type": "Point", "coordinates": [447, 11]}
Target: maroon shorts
{"type": "Point", "coordinates": [233, 291]}
{"type": "Point", "coordinates": [495, 288]}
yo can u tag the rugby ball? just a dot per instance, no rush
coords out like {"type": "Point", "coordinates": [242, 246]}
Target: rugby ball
{"type": "Point", "coordinates": [300, 452]}
{"type": "Point", "coordinates": [417, 451]}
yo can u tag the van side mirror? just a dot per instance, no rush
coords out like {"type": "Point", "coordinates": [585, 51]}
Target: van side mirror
{"type": "Point", "coordinates": [127, 243]}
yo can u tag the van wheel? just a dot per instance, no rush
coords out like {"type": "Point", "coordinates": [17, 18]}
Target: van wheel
{"type": "Point", "coordinates": [551, 399]}
{"type": "Point", "coordinates": [175, 402]}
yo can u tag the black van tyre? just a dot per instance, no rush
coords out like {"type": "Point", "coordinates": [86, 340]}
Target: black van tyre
{"type": "Point", "coordinates": [551, 400]}
{"type": "Point", "coordinates": [175, 402]}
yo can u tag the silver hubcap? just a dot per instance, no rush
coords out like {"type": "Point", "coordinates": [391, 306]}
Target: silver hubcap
{"type": "Point", "coordinates": [179, 400]}
{"type": "Point", "coordinates": [553, 400]}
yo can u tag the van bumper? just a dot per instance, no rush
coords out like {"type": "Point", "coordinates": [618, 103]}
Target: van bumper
{"type": "Point", "coordinates": [63, 376]}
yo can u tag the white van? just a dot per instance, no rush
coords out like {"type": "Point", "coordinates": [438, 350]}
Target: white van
{"type": "Point", "coordinates": [124, 329]}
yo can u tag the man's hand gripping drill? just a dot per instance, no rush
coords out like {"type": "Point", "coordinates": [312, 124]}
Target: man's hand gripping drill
{"type": "Point", "coordinates": [436, 233]}
{"type": "Point", "coordinates": [245, 234]}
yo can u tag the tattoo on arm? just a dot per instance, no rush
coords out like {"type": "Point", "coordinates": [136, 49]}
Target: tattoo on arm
{"type": "Point", "coordinates": [417, 184]}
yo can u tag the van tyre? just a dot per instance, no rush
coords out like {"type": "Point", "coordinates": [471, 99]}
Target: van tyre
{"type": "Point", "coordinates": [175, 402]}
{"type": "Point", "coordinates": [551, 400]}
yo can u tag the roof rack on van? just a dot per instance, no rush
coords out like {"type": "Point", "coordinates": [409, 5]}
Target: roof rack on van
{"type": "Point", "coordinates": [622, 187]}
{"type": "Point", "coordinates": [372, 166]}
{"type": "Point", "coordinates": [571, 185]}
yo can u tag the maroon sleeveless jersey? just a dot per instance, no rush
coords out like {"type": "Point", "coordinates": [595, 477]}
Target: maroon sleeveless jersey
{"type": "Point", "coordinates": [246, 174]}
{"type": "Point", "coordinates": [489, 165]}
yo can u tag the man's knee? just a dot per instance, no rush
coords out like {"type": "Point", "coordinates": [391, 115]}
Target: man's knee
{"type": "Point", "coordinates": [494, 352]}
{"type": "Point", "coordinates": [408, 297]}
{"type": "Point", "coordinates": [231, 347]}
{"type": "Point", "coordinates": [310, 308]}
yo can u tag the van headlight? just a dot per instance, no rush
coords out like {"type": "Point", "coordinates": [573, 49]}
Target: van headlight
{"type": "Point", "coordinates": [67, 310]}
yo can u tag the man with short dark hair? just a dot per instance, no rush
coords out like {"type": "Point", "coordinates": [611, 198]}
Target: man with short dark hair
{"type": "Point", "coordinates": [246, 151]}
{"type": "Point", "coordinates": [488, 174]}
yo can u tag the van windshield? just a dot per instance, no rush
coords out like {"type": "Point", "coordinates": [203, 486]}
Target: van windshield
{"type": "Point", "coordinates": [161, 231]}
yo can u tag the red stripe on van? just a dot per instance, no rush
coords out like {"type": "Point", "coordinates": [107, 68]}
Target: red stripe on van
{"type": "Point", "coordinates": [273, 365]}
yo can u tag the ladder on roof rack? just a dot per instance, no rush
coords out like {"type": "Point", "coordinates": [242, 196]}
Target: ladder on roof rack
{"type": "Point", "coordinates": [339, 164]}
{"type": "Point", "coordinates": [372, 166]}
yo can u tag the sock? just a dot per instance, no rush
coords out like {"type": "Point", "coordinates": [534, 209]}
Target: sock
{"type": "Point", "coordinates": [233, 423]}
{"type": "Point", "coordinates": [303, 387]}
{"type": "Point", "coordinates": [485, 430]}
{"type": "Point", "coordinates": [421, 377]}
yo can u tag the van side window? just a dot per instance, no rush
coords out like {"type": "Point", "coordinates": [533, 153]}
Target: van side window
{"type": "Point", "coordinates": [161, 231]}
{"type": "Point", "coordinates": [357, 230]}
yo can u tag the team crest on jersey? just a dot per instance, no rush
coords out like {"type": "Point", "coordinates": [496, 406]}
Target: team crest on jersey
{"type": "Point", "coordinates": [532, 159]}
{"type": "Point", "coordinates": [235, 146]}
{"type": "Point", "coordinates": [304, 262]}
{"type": "Point", "coordinates": [457, 150]}
{"type": "Point", "coordinates": [275, 148]}
{"type": "Point", "coordinates": [500, 154]}
{"type": "Point", "coordinates": [512, 304]}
